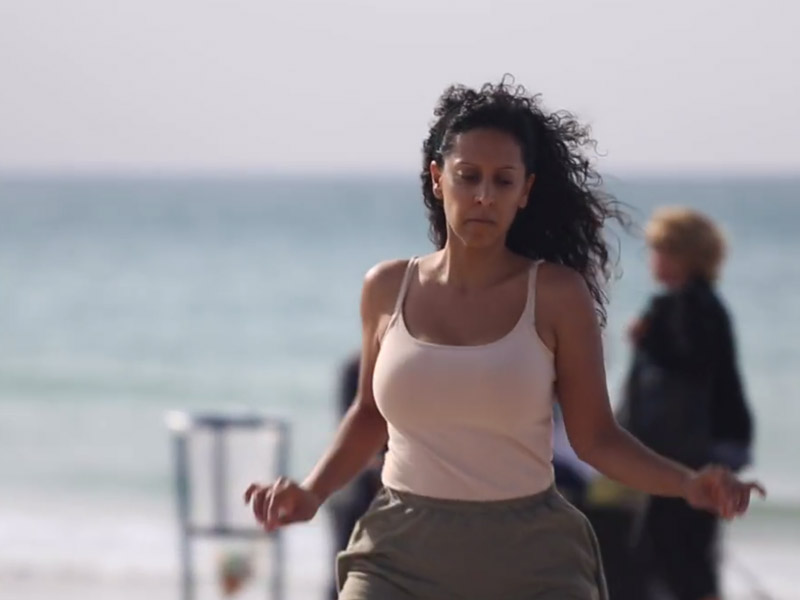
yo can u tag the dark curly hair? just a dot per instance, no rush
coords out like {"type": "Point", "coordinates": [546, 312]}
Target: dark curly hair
{"type": "Point", "coordinates": [567, 207]}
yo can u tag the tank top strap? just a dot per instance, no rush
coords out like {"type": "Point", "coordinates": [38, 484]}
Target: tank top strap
{"type": "Point", "coordinates": [401, 295]}
{"type": "Point", "coordinates": [530, 304]}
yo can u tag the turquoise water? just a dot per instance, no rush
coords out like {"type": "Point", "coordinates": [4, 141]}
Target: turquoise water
{"type": "Point", "coordinates": [121, 299]}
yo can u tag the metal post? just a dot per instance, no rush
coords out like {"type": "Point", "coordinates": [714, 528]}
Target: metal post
{"type": "Point", "coordinates": [218, 474]}
{"type": "Point", "coordinates": [184, 510]}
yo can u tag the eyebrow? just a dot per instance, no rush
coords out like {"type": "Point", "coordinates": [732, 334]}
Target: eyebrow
{"type": "Point", "coordinates": [461, 162]}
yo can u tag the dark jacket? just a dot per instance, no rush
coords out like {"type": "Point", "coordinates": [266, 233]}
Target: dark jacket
{"type": "Point", "coordinates": [688, 334]}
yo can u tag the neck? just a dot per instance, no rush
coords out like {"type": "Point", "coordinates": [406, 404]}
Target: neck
{"type": "Point", "coordinates": [677, 284]}
{"type": "Point", "coordinates": [476, 268]}
{"type": "Point", "coordinates": [674, 285]}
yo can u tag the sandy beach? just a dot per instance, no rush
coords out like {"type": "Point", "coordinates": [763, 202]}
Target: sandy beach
{"type": "Point", "coordinates": [758, 566]}
{"type": "Point", "coordinates": [775, 570]}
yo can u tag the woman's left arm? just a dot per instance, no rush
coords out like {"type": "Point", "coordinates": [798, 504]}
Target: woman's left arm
{"type": "Point", "coordinates": [591, 427]}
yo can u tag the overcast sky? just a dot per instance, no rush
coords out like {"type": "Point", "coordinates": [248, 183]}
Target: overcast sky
{"type": "Point", "coordinates": [349, 85]}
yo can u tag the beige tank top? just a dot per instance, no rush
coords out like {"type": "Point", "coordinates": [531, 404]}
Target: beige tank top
{"type": "Point", "coordinates": [467, 422]}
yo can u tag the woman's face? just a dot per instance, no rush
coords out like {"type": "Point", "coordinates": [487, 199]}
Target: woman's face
{"type": "Point", "coordinates": [482, 185]}
{"type": "Point", "coordinates": [668, 269]}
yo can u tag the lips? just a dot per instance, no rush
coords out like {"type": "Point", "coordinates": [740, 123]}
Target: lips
{"type": "Point", "coordinates": [480, 220]}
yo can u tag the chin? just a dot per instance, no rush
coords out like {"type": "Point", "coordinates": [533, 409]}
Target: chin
{"type": "Point", "coordinates": [478, 237]}
{"type": "Point", "coordinates": [475, 242]}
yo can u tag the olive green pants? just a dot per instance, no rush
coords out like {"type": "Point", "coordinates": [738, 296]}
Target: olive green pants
{"type": "Point", "coordinates": [534, 548]}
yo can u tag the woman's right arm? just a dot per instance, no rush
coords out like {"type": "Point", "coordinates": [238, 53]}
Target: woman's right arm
{"type": "Point", "coordinates": [362, 432]}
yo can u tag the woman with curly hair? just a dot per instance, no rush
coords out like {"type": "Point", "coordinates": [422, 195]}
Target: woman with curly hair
{"type": "Point", "coordinates": [464, 352]}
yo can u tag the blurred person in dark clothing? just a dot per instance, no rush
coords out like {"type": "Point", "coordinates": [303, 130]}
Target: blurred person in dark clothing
{"type": "Point", "coordinates": [684, 395]}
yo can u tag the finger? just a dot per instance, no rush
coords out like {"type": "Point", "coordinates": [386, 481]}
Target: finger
{"type": "Point", "coordinates": [747, 490]}
{"type": "Point", "coordinates": [730, 487]}
{"type": "Point", "coordinates": [733, 494]}
{"type": "Point", "coordinates": [255, 505]}
{"type": "Point", "coordinates": [251, 489]}
{"type": "Point", "coordinates": [275, 508]}
{"type": "Point", "coordinates": [716, 491]}
{"type": "Point", "coordinates": [756, 486]}
{"type": "Point", "coordinates": [744, 501]}
{"type": "Point", "coordinates": [724, 506]}
{"type": "Point", "coordinates": [260, 501]}
{"type": "Point", "coordinates": [740, 496]}
{"type": "Point", "coordinates": [271, 503]}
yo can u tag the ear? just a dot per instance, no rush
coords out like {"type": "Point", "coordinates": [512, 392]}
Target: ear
{"type": "Point", "coordinates": [436, 178]}
{"type": "Point", "coordinates": [526, 190]}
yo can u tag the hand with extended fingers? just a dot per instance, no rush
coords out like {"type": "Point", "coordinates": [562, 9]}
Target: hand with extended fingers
{"type": "Point", "coordinates": [717, 490]}
{"type": "Point", "coordinates": [281, 503]}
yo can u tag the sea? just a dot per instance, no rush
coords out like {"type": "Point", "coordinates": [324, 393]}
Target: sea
{"type": "Point", "coordinates": [125, 297]}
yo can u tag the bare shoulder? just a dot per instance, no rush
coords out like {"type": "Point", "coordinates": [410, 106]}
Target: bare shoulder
{"type": "Point", "coordinates": [382, 284]}
{"type": "Point", "coordinates": [386, 276]}
{"type": "Point", "coordinates": [563, 290]}
{"type": "Point", "coordinates": [561, 280]}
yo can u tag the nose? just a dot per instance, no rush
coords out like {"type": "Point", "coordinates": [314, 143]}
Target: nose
{"type": "Point", "coordinates": [484, 195]}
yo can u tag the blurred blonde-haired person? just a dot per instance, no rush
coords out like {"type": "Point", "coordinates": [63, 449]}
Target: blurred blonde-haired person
{"type": "Point", "coordinates": [684, 396]}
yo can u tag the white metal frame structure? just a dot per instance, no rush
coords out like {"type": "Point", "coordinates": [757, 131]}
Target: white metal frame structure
{"type": "Point", "coordinates": [182, 426]}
